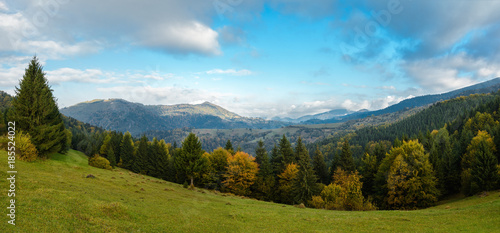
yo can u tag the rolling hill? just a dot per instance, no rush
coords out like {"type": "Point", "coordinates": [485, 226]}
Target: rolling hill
{"type": "Point", "coordinates": [55, 196]}
{"type": "Point", "coordinates": [121, 115]}
{"type": "Point", "coordinates": [481, 88]}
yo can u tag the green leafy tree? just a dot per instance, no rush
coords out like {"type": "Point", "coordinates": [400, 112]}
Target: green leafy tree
{"type": "Point", "coordinates": [36, 111]}
{"type": "Point", "coordinates": [411, 182]}
{"type": "Point", "coordinates": [190, 161]}
{"type": "Point", "coordinates": [217, 167]}
{"type": "Point", "coordinates": [106, 144]}
{"type": "Point", "coordinates": [445, 162]}
{"type": "Point", "coordinates": [479, 165]}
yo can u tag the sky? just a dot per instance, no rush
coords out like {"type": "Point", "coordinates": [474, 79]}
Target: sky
{"type": "Point", "coordinates": [257, 58]}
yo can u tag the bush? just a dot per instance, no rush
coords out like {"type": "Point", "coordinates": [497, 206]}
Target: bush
{"type": "Point", "coordinates": [25, 150]}
{"type": "Point", "coordinates": [99, 162]}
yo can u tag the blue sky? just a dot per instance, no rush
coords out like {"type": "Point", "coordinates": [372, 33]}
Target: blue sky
{"type": "Point", "coordinates": [256, 58]}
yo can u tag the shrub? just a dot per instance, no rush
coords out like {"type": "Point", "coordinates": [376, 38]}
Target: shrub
{"type": "Point", "coordinates": [25, 150]}
{"type": "Point", "coordinates": [99, 162]}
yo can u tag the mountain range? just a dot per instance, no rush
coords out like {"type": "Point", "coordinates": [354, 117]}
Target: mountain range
{"type": "Point", "coordinates": [121, 115]}
{"type": "Point", "coordinates": [343, 115]}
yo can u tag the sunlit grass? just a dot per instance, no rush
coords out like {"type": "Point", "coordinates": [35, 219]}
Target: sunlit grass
{"type": "Point", "coordinates": [55, 196]}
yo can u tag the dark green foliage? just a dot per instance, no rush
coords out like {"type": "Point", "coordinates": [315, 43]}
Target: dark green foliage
{"type": "Point", "coordinates": [111, 157]}
{"type": "Point", "coordinates": [305, 185]}
{"type": "Point", "coordinates": [36, 111]}
{"type": "Point", "coordinates": [229, 147]}
{"type": "Point", "coordinates": [369, 167]}
{"type": "Point", "coordinates": [262, 159]}
{"type": "Point", "coordinates": [127, 152]}
{"type": "Point", "coordinates": [346, 161]}
{"type": "Point", "coordinates": [190, 161]}
{"type": "Point", "coordinates": [276, 161]}
{"type": "Point", "coordinates": [142, 163]}
{"type": "Point", "coordinates": [320, 167]}
{"type": "Point", "coordinates": [285, 149]}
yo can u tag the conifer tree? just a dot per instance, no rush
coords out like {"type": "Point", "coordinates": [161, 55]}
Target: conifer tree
{"type": "Point", "coordinates": [346, 161]}
{"type": "Point", "coordinates": [141, 162]}
{"type": "Point", "coordinates": [36, 111]}
{"type": "Point", "coordinates": [264, 184]}
{"type": "Point", "coordinates": [262, 159]}
{"type": "Point", "coordinates": [229, 147]}
{"type": "Point", "coordinates": [320, 166]}
{"type": "Point", "coordinates": [305, 185]}
{"type": "Point", "coordinates": [111, 156]}
{"type": "Point", "coordinates": [276, 160]}
{"type": "Point", "coordinates": [127, 152]}
{"type": "Point", "coordinates": [190, 161]}
{"type": "Point", "coordinates": [285, 149]}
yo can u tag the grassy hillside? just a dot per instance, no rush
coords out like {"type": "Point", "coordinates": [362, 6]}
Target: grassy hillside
{"type": "Point", "coordinates": [55, 196]}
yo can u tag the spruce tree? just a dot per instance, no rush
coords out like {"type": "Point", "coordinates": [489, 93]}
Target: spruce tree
{"type": "Point", "coordinates": [229, 147]}
{"type": "Point", "coordinates": [346, 161]}
{"type": "Point", "coordinates": [320, 166]}
{"type": "Point", "coordinates": [190, 161]}
{"type": "Point", "coordinates": [127, 152]}
{"type": "Point", "coordinates": [285, 149]}
{"type": "Point", "coordinates": [111, 157]}
{"type": "Point", "coordinates": [276, 161]}
{"type": "Point", "coordinates": [141, 158]}
{"type": "Point", "coordinates": [36, 111]}
{"type": "Point", "coordinates": [304, 186]}
{"type": "Point", "coordinates": [262, 159]}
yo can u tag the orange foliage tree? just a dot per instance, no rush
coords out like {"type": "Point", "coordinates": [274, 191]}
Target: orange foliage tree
{"type": "Point", "coordinates": [241, 173]}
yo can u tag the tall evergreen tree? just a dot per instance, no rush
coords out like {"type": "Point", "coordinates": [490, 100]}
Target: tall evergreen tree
{"type": "Point", "coordinates": [262, 159]}
{"type": "Point", "coordinates": [190, 161]}
{"type": "Point", "coordinates": [305, 185]}
{"type": "Point", "coordinates": [229, 147]}
{"type": "Point", "coordinates": [276, 161]}
{"type": "Point", "coordinates": [127, 152]}
{"type": "Point", "coordinates": [286, 150]}
{"type": "Point", "coordinates": [111, 157]}
{"type": "Point", "coordinates": [320, 166]}
{"type": "Point", "coordinates": [346, 161]}
{"type": "Point", "coordinates": [141, 163]}
{"type": "Point", "coordinates": [36, 111]}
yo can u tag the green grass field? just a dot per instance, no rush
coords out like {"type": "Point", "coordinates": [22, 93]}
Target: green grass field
{"type": "Point", "coordinates": [55, 196]}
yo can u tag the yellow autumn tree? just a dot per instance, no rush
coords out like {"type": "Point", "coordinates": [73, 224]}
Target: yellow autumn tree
{"type": "Point", "coordinates": [286, 180]}
{"type": "Point", "coordinates": [241, 173]}
{"type": "Point", "coordinates": [25, 149]}
{"type": "Point", "coordinates": [343, 194]}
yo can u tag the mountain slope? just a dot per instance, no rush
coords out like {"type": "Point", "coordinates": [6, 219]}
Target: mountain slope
{"type": "Point", "coordinates": [481, 88]}
{"type": "Point", "coordinates": [55, 196]}
{"type": "Point", "coordinates": [121, 115]}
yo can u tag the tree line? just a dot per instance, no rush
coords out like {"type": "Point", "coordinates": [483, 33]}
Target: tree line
{"type": "Point", "coordinates": [452, 148]}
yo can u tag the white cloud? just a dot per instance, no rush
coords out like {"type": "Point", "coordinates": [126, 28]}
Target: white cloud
{"type": "Point", "coordinates": [230, 72]}
{"type": "Point", "coordinates": [451, 72]}
{"type": "Point", "coordinates": [188, 37]}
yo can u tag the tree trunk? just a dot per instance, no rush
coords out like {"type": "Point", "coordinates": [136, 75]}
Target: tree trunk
{"type": "Point", "coordinates": [192, 184]}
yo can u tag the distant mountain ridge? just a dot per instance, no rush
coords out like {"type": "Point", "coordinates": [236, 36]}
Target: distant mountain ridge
{"type": "Point", "coordinates": [419, 101]}
{"type": "Point", "coordinates": [122, 115]}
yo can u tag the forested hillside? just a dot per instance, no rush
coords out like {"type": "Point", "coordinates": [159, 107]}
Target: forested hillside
{"type": "Point", "coordinates": [121, 115]}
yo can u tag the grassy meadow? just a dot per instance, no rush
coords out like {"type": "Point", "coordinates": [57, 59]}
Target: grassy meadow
{"type": "Point", "coordinates": [55, 196]}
